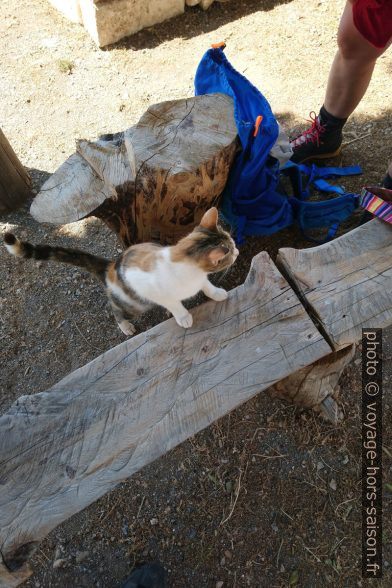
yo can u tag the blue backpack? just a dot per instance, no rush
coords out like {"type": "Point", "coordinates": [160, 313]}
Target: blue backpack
{"type": "Point", "coordinates": [253, 201]}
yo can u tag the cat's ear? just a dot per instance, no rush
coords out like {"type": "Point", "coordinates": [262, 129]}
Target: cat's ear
{"type": "Point", "coordinates": [215, 255]}
{"type": "Point", "coordinates": [210, 219]}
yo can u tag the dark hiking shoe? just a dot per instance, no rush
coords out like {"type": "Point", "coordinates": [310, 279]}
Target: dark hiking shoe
{"type": "Point", "coordinates": [319, 141]}
{"type": "Point", "coordinates": [150, 575]}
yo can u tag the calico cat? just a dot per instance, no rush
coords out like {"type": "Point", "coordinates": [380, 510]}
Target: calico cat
{"type": "Point", "coordinates": [149, 274]}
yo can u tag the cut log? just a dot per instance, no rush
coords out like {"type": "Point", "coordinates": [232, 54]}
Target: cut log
{"type": "Point", "coordinates": [316, 386]}
{"type": "Point", "coordinates": [62, 449]}
{"type": "Point", "coordinates": [154, 181]}
{"type": "Point", "coordinates": [70, 193]}
{"type": "Point", "coordinates": [345, 284]}
{"type": "Point", "coordinates": [15, 182]}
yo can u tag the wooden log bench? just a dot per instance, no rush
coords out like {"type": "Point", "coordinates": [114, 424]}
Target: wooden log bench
{"type": "Point", "coordinates": [62, 449]}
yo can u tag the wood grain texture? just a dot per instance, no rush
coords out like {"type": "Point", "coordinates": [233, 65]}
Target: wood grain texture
{"type": "Point", "coordinates": [71, 193]}
{"type": "Point", "coordinates": [15, 182]}
{"type": "Point", "coordinates": [345, 284]}
{"type": "Point", "coordinates": [152, 182]}
{"type": "Point", "coordinates": [184, 150]}
{"type": "Point", "coordinates": [64, 448]}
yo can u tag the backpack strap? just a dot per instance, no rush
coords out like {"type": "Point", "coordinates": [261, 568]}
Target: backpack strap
{"type": "Point", "coordinates": [328, 213]}
{"type": "Point", "coordinates": [330, 172]}
{"type": "Point", "coordinates": [325, 186]}
{"type": "Point", "coordinates": [317, 176]}
{"type": "Point", "coordinates": [293, 172]}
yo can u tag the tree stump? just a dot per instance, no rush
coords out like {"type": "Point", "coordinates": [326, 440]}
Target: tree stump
{"type": "Point", "coordinates": [152, 182]}
{"type": "Point", "coordinates": [15, 183]}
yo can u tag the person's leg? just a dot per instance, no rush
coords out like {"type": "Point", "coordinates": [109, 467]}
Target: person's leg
{"type": "Point", "coordinates": [351, 69]}
{"type": "Point", "coordinates": [349, 77]}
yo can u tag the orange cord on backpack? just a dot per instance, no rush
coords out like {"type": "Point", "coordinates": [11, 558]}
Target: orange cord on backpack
{"type": "Point", "coordinates": [220, 45]}
{"type": "Point", "coordinates": [257, 124]}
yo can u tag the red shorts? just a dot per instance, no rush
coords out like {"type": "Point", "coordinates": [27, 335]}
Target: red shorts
{"type": "Point", "coordinates": [373, 19]}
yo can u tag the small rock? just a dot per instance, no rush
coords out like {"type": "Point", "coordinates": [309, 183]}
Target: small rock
{"type": "Point", "coordinates": [345, 460]}
{"type": "Point", "coordinates": [81, 556]}
{"type": "Point", "coordinates": [219, 584]}
{"type": "Point", "coordinates": [153, 522]}
{"type": "Point", "coordinates": [228, 554]}
{"type": "Point", "coordinates": [333, 484]}
{"type": "Point", "coordinates": [58, 563]}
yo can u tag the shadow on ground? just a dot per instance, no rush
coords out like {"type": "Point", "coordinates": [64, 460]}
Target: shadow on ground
{"type": "Point", "coordinates": [194, 22]}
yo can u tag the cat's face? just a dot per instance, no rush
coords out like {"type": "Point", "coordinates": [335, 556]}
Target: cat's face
{"type": "Point", "coordinates": [209, 246]}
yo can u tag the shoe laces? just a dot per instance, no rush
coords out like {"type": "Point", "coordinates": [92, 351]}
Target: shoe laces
{"type": "Point", "coordinates": [310, 135]}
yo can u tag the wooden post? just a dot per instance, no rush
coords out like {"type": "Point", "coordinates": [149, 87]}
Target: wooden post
{"type": "Point", "coordinates": [316, 386]}
{"type": "Point", "coordinates": [15, 183]}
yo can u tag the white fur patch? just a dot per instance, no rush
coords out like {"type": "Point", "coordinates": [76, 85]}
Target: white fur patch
{"type": "Point", "coordinates": [123, 296]}
{"type": "Point", "coordinates": [169, 281]}
{"type": "Point", "coordinates": [11, 249]}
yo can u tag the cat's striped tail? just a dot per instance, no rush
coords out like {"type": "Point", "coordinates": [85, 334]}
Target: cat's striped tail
{"type": "Point", "coordinates": [92, 263]}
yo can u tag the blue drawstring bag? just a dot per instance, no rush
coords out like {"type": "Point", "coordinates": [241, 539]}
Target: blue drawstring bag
{"type": "Point", "coordinates": [252, 201]}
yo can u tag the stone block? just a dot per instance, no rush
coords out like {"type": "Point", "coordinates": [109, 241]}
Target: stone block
{"type": "Point", "coordinates": [70, 9]}
{"type": "Point", "coordinates": [108, 21]}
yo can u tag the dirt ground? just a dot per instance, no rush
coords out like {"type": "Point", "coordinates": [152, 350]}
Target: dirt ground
{"type": "Point", "coordinates": [268, 496]}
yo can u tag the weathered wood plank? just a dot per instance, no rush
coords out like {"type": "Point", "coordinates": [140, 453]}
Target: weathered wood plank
{"type": "Point", "coordinates": [71, 193]}
{"type": "Point", "coordinates": [62, 449]}
{"type": "Point", "coordinates": [15, 182]}
{"type": "Point", "coordinates": [346, 284]}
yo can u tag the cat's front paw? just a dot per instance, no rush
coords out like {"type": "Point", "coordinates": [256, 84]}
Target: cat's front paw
{"type": "Point", "coordinates": [185, 321]}
{"type": "Point", "coordinates": [127, 327]}
{"type": "Point", "coordinates": [219, 294]}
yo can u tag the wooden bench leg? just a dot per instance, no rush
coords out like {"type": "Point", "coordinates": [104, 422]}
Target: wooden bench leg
{"type": "Point", "coordinates": [316, 386]}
